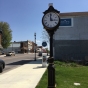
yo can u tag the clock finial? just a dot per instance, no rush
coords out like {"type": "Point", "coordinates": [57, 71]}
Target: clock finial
{"type": "Point", "coordinates": [50, 4]}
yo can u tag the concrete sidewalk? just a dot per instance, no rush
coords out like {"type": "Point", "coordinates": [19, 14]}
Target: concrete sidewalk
{"type": "Point", "coordinates": [25, 76]}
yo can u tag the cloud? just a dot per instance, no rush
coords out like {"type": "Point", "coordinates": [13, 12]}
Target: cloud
{"type": "Point", "coordinates": [38, 41]}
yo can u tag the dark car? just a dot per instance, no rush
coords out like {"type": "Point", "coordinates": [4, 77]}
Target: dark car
{"type": "Point", "coordinates": [40, 54]}
{"type": "Point", "coordinates": [2, 65]}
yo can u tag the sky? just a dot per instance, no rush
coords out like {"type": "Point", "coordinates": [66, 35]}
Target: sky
{"type": "Point", "coordinates": [25, 16]}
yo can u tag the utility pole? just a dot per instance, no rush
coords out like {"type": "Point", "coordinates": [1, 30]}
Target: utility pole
{"type": "Point", "coordinates": [12, 46]}
{"type": "Point", "coordinates": [35, 45]}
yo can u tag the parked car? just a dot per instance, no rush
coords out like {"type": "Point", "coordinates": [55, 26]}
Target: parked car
{"type": "Point", "coordinates": [12, 53]}
{"type": "Point", "coordinates": [2, 65]}
{"type": "Point", "coordinates": [40, 54]}
{"type": "Point", "coordinates": [2, 53]}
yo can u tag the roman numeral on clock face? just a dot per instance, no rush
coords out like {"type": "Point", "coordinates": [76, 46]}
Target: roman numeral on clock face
{"type": "Point", "coordinates": [55, 22]}
{"type": "Point", "coordinates": [48, 25]}
{"type": "Point", "coordinates": [45, 22]}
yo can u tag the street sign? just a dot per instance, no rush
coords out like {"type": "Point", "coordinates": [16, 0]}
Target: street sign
{"type": "Point", "coordinates": [66, 22]}
{"type": "Point", "coordinates": [44, 44]}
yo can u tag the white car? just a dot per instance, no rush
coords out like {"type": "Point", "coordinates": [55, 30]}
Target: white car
{"type": "Point", "coordinates": [12, 53]}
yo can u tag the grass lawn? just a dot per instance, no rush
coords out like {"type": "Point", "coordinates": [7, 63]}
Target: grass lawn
{"type": "Point", "coordinates": [66, 74]}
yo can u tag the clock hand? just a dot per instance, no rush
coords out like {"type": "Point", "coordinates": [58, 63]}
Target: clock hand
{"type": "Point", "coordinates": [55, 20]}
{"type": "Point", "coordinates": [50, 17]}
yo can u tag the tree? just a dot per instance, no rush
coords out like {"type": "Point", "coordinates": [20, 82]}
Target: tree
{"type": "Point", "coordinates": [45, 36]}
{"type": "Point", "coordinates": [6, 34]}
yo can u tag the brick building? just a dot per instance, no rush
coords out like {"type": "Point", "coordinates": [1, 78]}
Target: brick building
{"type": "Point", "coordinates": [21, 47]}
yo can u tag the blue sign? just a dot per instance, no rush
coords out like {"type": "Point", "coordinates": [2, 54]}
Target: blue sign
{"type": "Point", "coordinates": [65, 22]}
{"type": "Point", "coordinates": [44, 44]}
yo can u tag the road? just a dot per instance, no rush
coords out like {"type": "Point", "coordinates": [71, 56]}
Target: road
{"type": "Point", "coordinates": [13, 62]}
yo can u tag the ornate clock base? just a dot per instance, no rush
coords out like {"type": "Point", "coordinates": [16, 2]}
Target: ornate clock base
{"type": "Point", "coordinates": [51, 73]}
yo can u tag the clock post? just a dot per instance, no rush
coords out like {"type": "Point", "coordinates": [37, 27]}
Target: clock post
{"type": "Point", "coordinates": [51, 21]}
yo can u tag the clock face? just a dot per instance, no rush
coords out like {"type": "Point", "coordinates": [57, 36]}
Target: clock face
{"type": "Point", "coordinates": [51, 20]}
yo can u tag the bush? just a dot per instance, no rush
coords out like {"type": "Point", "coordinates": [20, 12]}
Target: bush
{"type": "Point", "coordinates": [66, 64]}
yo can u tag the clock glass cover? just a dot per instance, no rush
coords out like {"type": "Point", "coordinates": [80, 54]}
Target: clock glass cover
{"type": "Point", "coordinates": [51, 20]}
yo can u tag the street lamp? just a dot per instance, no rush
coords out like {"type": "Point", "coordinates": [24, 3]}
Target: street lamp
{"type": "Point", "coordinates": [35, 45]}
{"type": "Point", "coordinates": [51, 21]}
{"type": "Point", "coordinates": [12, 46]}
{"type": "Point", "coordinates": [0, 38]}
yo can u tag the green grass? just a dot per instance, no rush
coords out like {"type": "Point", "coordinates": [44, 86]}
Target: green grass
{"type": "Point", "coordinates": [66, 74]}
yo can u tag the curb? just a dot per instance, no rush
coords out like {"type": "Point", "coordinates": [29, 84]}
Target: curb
{"type": "Point", "coordinates": [2, 55]}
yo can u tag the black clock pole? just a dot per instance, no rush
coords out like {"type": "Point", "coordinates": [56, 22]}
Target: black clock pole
{"type": "Point", "coordinates": [51, 44]}
{"type": "Point", "coordinates": [51, 69]}
{"type": "Point", "coordinates": [51, 30]}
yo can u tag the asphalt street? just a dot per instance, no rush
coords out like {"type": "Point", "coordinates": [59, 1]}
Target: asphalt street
{"type": "Point", "coordinates": [13, 62]}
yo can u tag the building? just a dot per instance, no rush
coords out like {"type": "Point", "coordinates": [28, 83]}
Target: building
{"type": "Point", "coordinates": [71, 39]}
{"type": "Point", "coordinates": [39, 49]}
{"type": "Point", "coordinates": [34, 46]}
{"type": "Point", "coordinates": [20, 47]}
{"type": "Point", "coordinates": [14, 46]}
{"type": "Point", "coordinates": [25, 46]}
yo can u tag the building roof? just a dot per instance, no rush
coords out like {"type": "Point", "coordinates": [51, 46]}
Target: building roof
{"type": "Point", "coordinates": [39, 46]}
{"type": "Point", "coordinates": [21, 41]}
{"type": "Point", "coordinates": [74, 14]}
